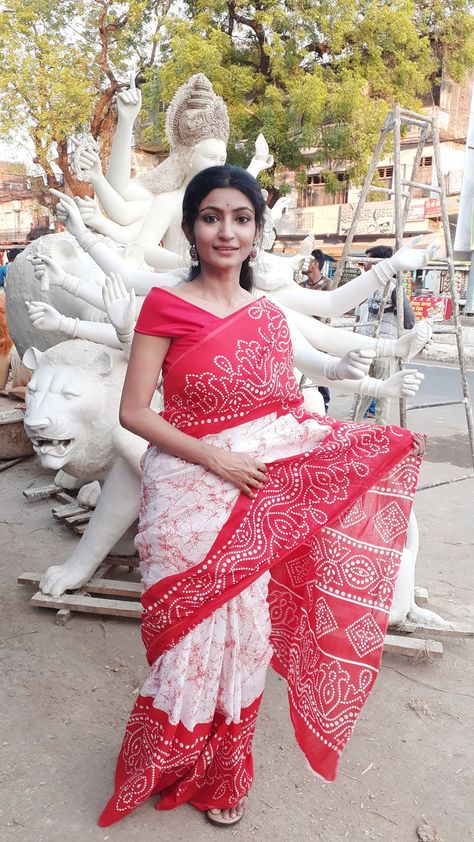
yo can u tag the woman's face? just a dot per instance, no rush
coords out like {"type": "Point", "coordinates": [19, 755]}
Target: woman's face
{"type": "Point", "coordinates": [208, 153]}
{"type": "Point", "coordinates": [225, 229]}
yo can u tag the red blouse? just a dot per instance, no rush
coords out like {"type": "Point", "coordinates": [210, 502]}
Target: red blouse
{"type": "Point", "coordinates": [165, 314]}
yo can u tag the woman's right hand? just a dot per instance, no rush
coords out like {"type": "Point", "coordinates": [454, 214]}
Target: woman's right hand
{"type": "Point", "coordinates": [245, 472]}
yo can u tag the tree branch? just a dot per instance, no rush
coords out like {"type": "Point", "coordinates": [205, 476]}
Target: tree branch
{"type": "Point", "coordinates": [259, 32]}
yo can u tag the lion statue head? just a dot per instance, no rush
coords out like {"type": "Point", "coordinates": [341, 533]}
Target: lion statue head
{"type": "Point", "coordinates": [72, 405]}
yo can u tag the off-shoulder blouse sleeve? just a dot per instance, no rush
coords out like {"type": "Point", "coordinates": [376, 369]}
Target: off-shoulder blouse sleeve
{"type": "Point", "coordinates": [160, 314]}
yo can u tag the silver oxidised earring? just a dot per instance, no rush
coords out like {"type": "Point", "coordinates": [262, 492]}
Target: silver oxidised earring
{"type": "Point", "coordinates": [253, 256]}
{"type": "Point", "coordinates": [193, 253]}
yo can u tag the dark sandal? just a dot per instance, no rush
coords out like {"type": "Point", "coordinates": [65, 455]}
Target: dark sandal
{"type": "Point", "coordinates": [219, 821]}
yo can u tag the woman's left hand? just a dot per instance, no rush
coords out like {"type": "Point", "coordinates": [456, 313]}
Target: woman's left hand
{"type": "Point", "coordinates": [419, 444]}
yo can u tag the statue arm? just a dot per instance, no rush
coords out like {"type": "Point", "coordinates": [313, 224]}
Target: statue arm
{"type": "Point", "coordinates": [338, 301]}
{"type": "Point", "coordinates": [87, 291]}
{"type": "Point", "coordinates": [124, 234]}
{"type": "Point", "coordinates": [162, 258]}
{"type": "Point", "coordinates": [97, 332]}
{"type": "Point", "coordinates": [49, 272]}
{"type": "Point", "coordinates": [322, 367]}
{"type": "Point", "coordinates": [120, 211]}
{"type": "Point", "coordinates": [45, 317]}
{"type": "Point", "coordinates": [120, 161]}
{"type": "Point", "coordinates": [336, 341]}
{"type": "Point", "coordinates": [115, 206]}
{"type": "Point", "coordinates": [350, 371]}
{"type": "Point", "coordinates": [141, 280]}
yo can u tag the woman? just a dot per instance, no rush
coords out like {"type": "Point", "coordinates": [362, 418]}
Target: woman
{"type": "Point", "coordinates": [266, 534]}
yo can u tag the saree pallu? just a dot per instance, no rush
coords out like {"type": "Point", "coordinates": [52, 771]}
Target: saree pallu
{"type": "Point", "coordinates": [301, 576]}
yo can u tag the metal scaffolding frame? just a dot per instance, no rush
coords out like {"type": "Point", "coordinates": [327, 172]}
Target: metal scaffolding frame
{"type": "Point", "coordinates": [401, 191]}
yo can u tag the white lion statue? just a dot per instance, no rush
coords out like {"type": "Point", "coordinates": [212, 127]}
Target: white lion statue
{"type": "Point", "coordinates": [72, 419]}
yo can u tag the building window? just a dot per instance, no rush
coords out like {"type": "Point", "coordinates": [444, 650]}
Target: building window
{"type": "Point", "coordinates": [316, 193]}
{"type": "Point", "coordinates": [385, 176]}
{"type": "Point", "coordinates": [424, 175]}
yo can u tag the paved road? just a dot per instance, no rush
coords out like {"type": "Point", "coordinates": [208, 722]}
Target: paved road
{"type": "Point", "coordinates": [448, 451]}
{"type": "Point", "coordinates": [442, 382]}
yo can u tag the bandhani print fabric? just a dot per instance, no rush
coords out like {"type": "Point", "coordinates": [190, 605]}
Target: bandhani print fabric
{"type": "Point", "coordinates": [301, 576]}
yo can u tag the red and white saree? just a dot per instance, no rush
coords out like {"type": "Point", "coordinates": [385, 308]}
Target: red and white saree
{"type": "Point", "coordinates": [300, 576]}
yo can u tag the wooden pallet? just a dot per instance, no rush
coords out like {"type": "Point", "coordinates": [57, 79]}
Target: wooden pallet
{"type": "Point", "coordinates": [69, 512]}
{"type": "Point", "coordinates": [119, 598]}
{"type": "Point", "coordinates": [115, 598]}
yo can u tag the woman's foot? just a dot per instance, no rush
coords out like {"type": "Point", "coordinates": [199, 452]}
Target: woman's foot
{"type": "Point", "coordinates": [228, 816]}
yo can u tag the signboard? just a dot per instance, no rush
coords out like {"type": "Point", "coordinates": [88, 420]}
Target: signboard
{"type": "Point", "coordinates": [432, 207]}
{"type": "Point", "coordinates": [377, 217]}
{"type": "Point", "coordinates": [437, 306]}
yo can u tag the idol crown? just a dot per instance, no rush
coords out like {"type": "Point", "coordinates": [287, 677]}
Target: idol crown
{"type": "Point", "coordinates": [196, 113]}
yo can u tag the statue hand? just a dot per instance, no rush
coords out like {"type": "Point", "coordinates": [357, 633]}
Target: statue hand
{"type": "Point", "coordinates": [120, 305]}
{"type": "Point", "coordinates": [279, 207]}
{"type": "Point", "coordinates": [262, 159]}
{"type": "Point", "coordinates": [47, 271]}
{"type": "Point", "coordinates": [408, 258]}
{"type": "Point", "coordinates": [89, 162]}
{"type": "Point", "coordinates": [89, 212]}
{"type": "Point", "coordinates": [355, 364]}
{"type": "Point", "coordinates": [402, 384]}
{"type": "Point", "coordinates": [67, 212]}
{"type": "Point", "coordinates": [129, 102]}
{"type": "Point", "coordinates": [43, 316]}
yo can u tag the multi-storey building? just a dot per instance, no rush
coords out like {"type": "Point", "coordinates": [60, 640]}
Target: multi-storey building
{"type": "Point", "coordinates": [328, 214]}
{"type": "Point", "coordinates": [22, 218]}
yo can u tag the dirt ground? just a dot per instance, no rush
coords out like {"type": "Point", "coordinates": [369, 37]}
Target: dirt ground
{"type": "Point", "coordinates": [67, 691]}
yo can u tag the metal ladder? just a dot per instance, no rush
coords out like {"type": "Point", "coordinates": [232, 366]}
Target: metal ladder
{"type": "Point", "coordinates": [402, 193]}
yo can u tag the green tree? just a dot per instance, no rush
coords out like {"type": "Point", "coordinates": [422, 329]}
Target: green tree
{"type": "Point", "coordinates": [61, 65]}
{"type": "Point", "coordinates": [309, 75]}
{"type": "Point", "coordinates": [315, 75]}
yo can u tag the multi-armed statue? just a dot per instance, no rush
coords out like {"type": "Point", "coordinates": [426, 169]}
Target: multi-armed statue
{"type": "Point", "coordinates": [72, 404]}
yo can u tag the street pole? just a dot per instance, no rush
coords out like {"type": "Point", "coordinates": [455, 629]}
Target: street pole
{"type": "Point", "coordinates": [469, 307]}
{"type": "Point", "coordinates": [464, 240]}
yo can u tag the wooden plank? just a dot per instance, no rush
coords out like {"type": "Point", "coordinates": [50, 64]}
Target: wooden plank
{"type": "Point", "coordinates": [421, 596]}
{"type": "Point", "coordinates": [123, 560]}
{"type": "Point", "coordinates": [9, 463]}
{"type": "Point", "coordinates": [413, 647]}
{"type": "Point", "coordinates": [81, 601]}
{"type": "Point", "coordinates": [112, 587]}
{"type": "Point", "coordinates": [80, 528]}
{"type": "Point", "coordinates": [63, 497]}
{"type": "Point", "coordinates": [103, 570]}
{"type": "Point", "coordinates": [107, 587]}
{"type": "Point", "coordinates": [83, 517]}
{"type": "Point", "coordinates": [70, 509]}
{"type": "Point", "coordinates": [89, 605]}
{"type": "Point", "coordinates": [40, 492]}
{"type": "Point", "coordinates": [456, 630]}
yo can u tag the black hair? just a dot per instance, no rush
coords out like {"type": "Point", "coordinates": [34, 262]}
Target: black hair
{"type": "Point", "coordinates": [12, 253]}
{"type": "Point", "coordinates": [319, 257]}
{"type": "Point", "coordinates": [379, 251]}
{"type": "Point", "coordinates": [220, 177]}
